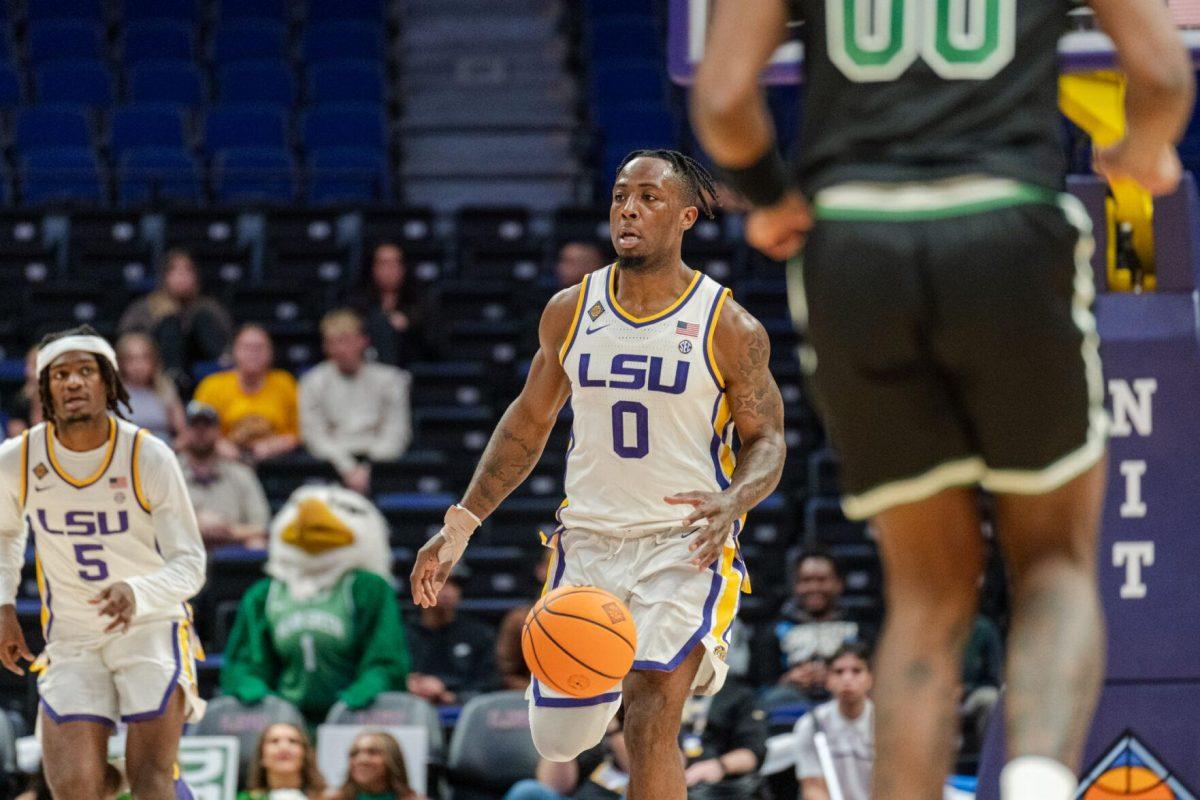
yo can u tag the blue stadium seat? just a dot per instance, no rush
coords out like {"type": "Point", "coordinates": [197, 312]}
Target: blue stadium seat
{"type": "Point", "coordinates": [56, 40]}
{"type": "Point", "coordinates": [345, 125]}
{"type": "Point", "coordinates": [79, 83]}
{"type": "Point", "coordinates": [10, 86]}
{"type": "Point", "coordinates": [92, 10]}
{"type": "Point", "coordinates": [279, 10]}
{"type": "Point", "coordinates": [174, 81]}
{"type": "Point", "coordinates": [626, 80]}
{"type": "Point", "coordinates": [51, 127]}
{"type": "Point", "coordinates": [147, 126]}
{"type": "Point", "coordinates": [182, 10]}
{"type": "Point", "coordinates": [325, 41]}
{"type": "Point", "coordinates": [345, 81]}
{"type": "Point", "coordinates": [244, 40]}
{"type": "Point", "coordinates": [63, 174]}
{"type": "Point", "coordinates": [265, 81]}
{"type": "Point", "coordinates": [163, 39]}
{"type": "Point", "coordinates": [597, 9]}
{"type": "Point", "coordinates": [346, 9]}
{"type": "Point", "coordinates": [257, 126]}
{"type": "Point", "coordinates": [625, 36]}
{"type": "Point", "coordinates": [242, 174]}
{"type": "Point", "coordinates": [146, 174]}
{"type": "Point", "coordinates": [344, 174]}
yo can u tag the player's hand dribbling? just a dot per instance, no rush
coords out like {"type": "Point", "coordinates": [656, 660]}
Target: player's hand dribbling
{"type": "Point", "coordinates": [778, 231]}
{"type": "Point", "coordinates": [1156, 168]}
{"type": "Point", "coordinates": [717, 511]}
{"type": "Point", "coordinates": [12, 641]}
{"type": "Point", "coordinates": [116, 601]}
{"type": "Point", "coordinates": [429, 572]}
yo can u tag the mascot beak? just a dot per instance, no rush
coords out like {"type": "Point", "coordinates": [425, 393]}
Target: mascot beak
{"type": "Point", "coordinates": [317, 529]}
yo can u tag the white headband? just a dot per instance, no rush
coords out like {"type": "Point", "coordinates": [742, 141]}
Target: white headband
{"type": "Point", "coordinates": [88, 344]}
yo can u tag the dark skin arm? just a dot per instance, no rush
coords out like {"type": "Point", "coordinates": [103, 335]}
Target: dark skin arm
{"type": "Point", "coordinates": [516, 444]}
{"type": "Point", "coordinates": [743, 354]}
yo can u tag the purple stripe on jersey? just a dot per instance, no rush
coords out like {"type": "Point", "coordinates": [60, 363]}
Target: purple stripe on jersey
{"type": "Point", "coordinates": [162, 707]}
{"type": "Point", "coordinates": [542, 701]}
{"type": "Point", "coordinates": [49, 608]}
{"type": "Point", "coordinates": [708, 323]}
{"type": "Point", "coordinates": [573, 334]}
{"type": "Point", "coordinates": [715, 447]}
{"type": "Point", "coordinates": [705, 625]}
{"type": "Point", "coordinates": [61, 718]}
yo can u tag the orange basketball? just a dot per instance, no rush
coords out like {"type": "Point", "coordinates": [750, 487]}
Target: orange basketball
{"type": "Point", "coordinates": [579, 640]}
{"type": "Point", "coordinates": [1129, 783]}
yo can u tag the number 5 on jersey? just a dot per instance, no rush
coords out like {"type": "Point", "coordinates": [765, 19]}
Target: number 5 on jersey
{"type": "Point", "coordinates": [878, 40]}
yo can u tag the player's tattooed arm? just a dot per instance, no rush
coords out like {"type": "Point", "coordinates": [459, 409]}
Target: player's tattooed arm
{"type": "Point", "coordinates": [519, 438]}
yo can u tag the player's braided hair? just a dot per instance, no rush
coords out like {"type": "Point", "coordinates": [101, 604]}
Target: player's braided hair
{"type": "Point", "coordinates": [702, 189]}
{"type": "Point", "coordinates": [116, 394]}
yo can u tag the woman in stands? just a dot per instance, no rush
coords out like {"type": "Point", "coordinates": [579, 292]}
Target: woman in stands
{"type": "Point", "coordinates": [392, 319]}
{"type": "Point", "coordinates": [153, 399]}
{"type": "Point", "coordinates": [285, 767]}
{"type": "Point", "coordinates": [376, 771]}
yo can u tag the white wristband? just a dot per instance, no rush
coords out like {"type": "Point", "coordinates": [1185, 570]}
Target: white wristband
{"type": "Point", "coordinates": [457, 527]}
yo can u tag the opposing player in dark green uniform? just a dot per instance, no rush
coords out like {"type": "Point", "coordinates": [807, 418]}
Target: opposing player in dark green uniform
{"type": "Point", "coordinates": [947, 293]}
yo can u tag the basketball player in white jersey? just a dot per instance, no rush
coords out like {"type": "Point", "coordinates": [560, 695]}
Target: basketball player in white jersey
{"type": "Point", "coordinates": [118, 555]}
{"type": "Point", "coordinates": [660, 367]}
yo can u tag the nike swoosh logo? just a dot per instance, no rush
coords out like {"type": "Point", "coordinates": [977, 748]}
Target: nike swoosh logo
{"type": "Point", "coordinates": [590, 331]}
{"type": "Point", "coordinates": [41, 488]}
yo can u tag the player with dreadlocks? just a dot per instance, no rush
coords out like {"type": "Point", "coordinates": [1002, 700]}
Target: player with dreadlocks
{"type": "Point", "coordinates": [660, 367]}
{"type": "Point", "coordinates": [119, 554]}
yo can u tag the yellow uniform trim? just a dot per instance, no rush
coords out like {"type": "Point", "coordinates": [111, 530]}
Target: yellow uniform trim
{"type": "Point", "coordinates": [570, 340]}
{"type": "Point", "coordinates": [552, 566]}
{"type": "Point", "coordinates": [724, 452]}
{"type": "Point", "coordinates": [185, 652]}
{"type": "Point", "coordinates": [708, 343]}
{"type": "Point", "coordinates": [612, 298]}
{"type": "Point", "coordinates": [727, 602]}
{"type": "Point", "coordinates": [41, 587]}
{"type": "Point", "coordinates": [24, 467]}
{"type": "Point", "coordinates": [138, 492]}
{"type": "Point", "coordinates": [95, 476]}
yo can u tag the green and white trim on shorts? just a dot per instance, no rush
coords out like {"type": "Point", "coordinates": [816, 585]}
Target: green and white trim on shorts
{"type": "Point", "coordinates": [911, 201]}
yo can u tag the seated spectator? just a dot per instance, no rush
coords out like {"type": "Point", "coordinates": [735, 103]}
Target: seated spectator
{"type": "Point", "coordinates": [452, 653]}
{"type": "Point", "coordinates": [187, 325]}
{"type": "Point", "coordinates": [231, 506]}
{"type": "Point", "coordinates": [153, 399]}
{"type": "Point", "coordinates": [848, 724]}
{"type": "Point", "coordinates": [24, 408]}
{"type": "Point", "coordinates": [601, 773]}
{"type": "Point", "coordinates": [376, 770]}
{"type": "Point", "coordinates": [983, 672]}
{"type": "Point", "coordinates": [352, 412]}
{"type": "Point", "coordinates": [325, 625]}
{"type": "Point", "coordinates": [811, 627]}
{"type": "Point", "coordinates": [576, 259]}
{"type": "Point", "coordinates": [284, 767]}
{"type": "Point", "coordinates": [257, 404]}
{"type": "Point", "coordinates": [724, 740]}
{"type": "Point", "coordinates": [511, 670]}
{"type": "Point", "coordinates": [393, 320]}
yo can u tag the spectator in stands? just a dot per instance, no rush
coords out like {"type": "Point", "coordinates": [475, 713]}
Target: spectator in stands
{"type": "Point", "coordinates": [848, 724]}
{"type": "Point", "coordinates": [393, 320]}
{"type": "Point", "coordinates": [153, 399]}
{"type": "Point", "coordinates": [376, 770]}
{"type": "Point", "coordinates": [284, 767]}
{"type": "Point", "coordinates": [258, 405]}
{"type": "Point", "coordinates": [601, 773]}
{"type": "Point", "coordinates": [353, 412]}
{"type": "Point", "coordinates": [724, 740]}
{"type": "Point", "coordinates": [983, 666]}
{"type": "Point", "coordinates": [230, 503]}
{"type": "Point", "coordinates": [452, 652]}
{"type": "Point", "coordinates": [576, 259]}
{"type": "Point", "coordinates": [24, 408]}
{"type": "Point", "coordinates": [511, 670]}
{"type": "Point", "coordinates": [811, 627]}
{"type": "Point", "coordinates": [187, 325]}
{"type": "Point", "coordinates": [325, 625]}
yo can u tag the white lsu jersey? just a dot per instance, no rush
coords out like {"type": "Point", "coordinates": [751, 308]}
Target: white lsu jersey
{"type": "Point", "coordinates": [94, 528]}
{"type": "Point", "coordinates": [650, 414]}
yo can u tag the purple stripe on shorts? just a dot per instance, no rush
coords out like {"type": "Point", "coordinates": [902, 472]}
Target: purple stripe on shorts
{"type": "Point", "coordinates": [561, 566]}
{"type": "Point", "coordinates": [705, 625]}
{"type": "Point", "coordinates": [542, 701]}
{"type": "Point", "coordinates": [182, 790]}
{"type": "Point", "coordinates": [61, 718]}
{"type": "Point", "coordinates": [145, 716]}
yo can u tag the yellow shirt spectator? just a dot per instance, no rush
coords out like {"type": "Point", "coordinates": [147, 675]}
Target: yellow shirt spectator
{"type": "Point", "coordinates": [272, 410]}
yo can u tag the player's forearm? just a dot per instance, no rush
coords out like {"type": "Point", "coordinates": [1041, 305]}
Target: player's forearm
{"type": "Point", "coordinates": [511, 454]}
{"type": "Point", "coordinates": [1157, 109]}
{"type": "Point", "coordinates": [739, 762]}
{"type": "Point", "coordinates": [759, 467]}
{"type": "Point", "coordinates": [734, 126]}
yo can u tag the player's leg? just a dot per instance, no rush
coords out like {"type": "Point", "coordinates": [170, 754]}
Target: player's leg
{"type": "Point", "coordinates": [1056, 639]}
{"type": "Point", "coordinates": [653, 710]}
{"type": "Point", "coordinates": [73, 757]}
{"type": "Point", "coordinates": [152, 749]}
{"type": "Point", "coordinates": [563, 727]}
{"type": "Point", "coordinates": [932, 555]}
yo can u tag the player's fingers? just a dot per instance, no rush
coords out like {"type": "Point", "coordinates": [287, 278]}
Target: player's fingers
{"type": "Point", "coordinates": [10, 663]}
{"type": "Point", "coordinates": [97, 598]}
{"type": "Point", "coordinates": [114, 625]}
{"type": "Point", "coordinates": [25, 654]}
{"type": "Point", "coordinates": [685, 499]}
{"type": "Point", "coordinates": [698, 514]}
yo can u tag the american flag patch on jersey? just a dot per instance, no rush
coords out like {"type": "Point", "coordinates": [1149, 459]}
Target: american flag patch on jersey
{"type": "Point", "coordinates": [118, 483]}
{"type": "Point", "coordinates": [687, 329]}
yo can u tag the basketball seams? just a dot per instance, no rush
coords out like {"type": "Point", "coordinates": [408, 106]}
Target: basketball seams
{"type": "Point", "coordinates": [600, 625]}
{"type": "Point", "coordinates": [571, 655]}
{"type": "Point", "coordinates": [544, 677]}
